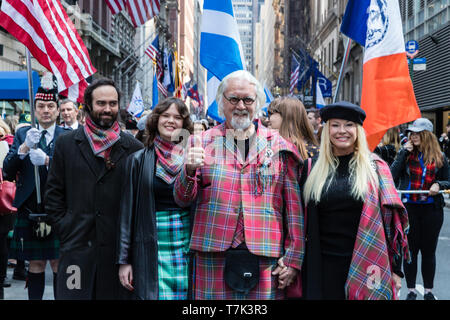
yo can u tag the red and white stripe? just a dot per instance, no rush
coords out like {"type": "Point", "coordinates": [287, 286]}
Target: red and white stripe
{"type": "Point", "coordinates": [294, 79]}
{"type": "Point", "coordinates": [163, 89]}
{"type": "Point", "coordinates": [152, 52]}
{"type": "Point", "coordinates": [116, 5]}
{"type": "Point", "coordinates": [45, 29]}
{"type": "Point", "coordinates": [141, 11]}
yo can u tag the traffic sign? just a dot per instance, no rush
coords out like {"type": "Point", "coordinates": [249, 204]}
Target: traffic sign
{"type": "Point", "coordinates": [412, 48]}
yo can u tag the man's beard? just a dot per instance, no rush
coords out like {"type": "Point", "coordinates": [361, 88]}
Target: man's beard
{"type": "Point", "coordinates": [238, 123]}
{"type": "Point", "coordinates": [103, 124]}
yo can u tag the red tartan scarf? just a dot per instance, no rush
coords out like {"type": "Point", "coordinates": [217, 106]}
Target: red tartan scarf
{"type": "Point", "coordinates": [416, 171]}
{"type": "Point", "coordinates": [101, 140]}
{"type": "Point", "coordinates": [169, 159]}
{"type": "Point", "coordinates": [381, 237]}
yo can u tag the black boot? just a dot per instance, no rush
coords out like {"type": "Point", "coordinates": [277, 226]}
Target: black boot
{"type": "Point", "coordinates": [2, 291]}
{"type": "Point", "coordinates": [20, 273]}
{"type": "Point", "coordinates": [36, 285]}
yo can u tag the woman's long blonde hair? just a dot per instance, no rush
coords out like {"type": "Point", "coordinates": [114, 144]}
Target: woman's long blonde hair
{"type": "Point", "coordinates": [430, 148]}
{"type": "Point", "coordinates": [362, 173]}
{"type": "Point", "coordinates": [392, 137]}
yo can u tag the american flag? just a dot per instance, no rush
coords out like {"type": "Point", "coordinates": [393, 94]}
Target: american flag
{"type": "Point", "coordinates": [154, 53]}
{"type": "Point", "coordinates": [116, 5]}
{"type": "Point", "coordinates": [44, 27]}
{"type": "Point", "coordinates": [153, 50]}
{"type": "Point", "coordinates": [140, 11]}
{"type": "Point", "coordinates": [295, 70]}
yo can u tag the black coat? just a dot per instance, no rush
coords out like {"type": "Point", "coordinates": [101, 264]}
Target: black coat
{"type": "Point", "coordinates": [82, 200]}
{"type": "Point", "coordinates": [401, 175]}
{"type": "Point", "coordinates": [137, 241]}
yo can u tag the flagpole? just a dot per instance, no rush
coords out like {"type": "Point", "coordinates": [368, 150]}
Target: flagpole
{"type": "Point", "coordinates": [344, 63]}
{"type": "Point", "coordinates": [37, 179]}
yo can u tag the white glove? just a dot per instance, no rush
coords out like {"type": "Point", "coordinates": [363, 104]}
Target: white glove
{"type": "Point", "coordinates": [38, 157]}
{"type": "Point", "coordinates": [32, 138]}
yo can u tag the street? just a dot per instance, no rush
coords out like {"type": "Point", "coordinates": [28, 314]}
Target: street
{"type": "Point", "coordinates": [17, 290]}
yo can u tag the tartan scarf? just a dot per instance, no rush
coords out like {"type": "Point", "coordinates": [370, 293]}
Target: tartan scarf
{"type": "Point", "coordinates": [100, 140]}
{"type": "Point", "coordinates": [169, 159]}
{"type": "Point", "coordinates": [381, 238]}
{"type": "Point", "coordinates": [416, 172]}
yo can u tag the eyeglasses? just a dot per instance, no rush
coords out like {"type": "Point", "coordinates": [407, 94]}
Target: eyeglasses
{"type": "Point", "coordinates": [235, 100]}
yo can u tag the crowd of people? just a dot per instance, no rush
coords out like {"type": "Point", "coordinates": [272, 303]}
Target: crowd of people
{"type": "Point", "coordinates": [289, 206]}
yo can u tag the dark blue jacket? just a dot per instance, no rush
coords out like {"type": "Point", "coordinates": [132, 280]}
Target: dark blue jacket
{"type": "Point", "coordinates": [23, 170]}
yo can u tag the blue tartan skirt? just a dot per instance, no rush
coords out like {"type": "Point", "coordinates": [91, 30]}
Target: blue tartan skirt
{"type": "Point", "coordinates": [25, 246]}
{"type": "Point", "coordinates": [173, 259]}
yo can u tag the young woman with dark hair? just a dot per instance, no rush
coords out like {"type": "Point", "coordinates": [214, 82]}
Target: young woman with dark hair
{"type": "Point", "coordinates": [154, 230]}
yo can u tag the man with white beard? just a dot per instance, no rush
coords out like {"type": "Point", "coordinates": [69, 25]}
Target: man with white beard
{"type": "Point", "coordinates": [241, 179]}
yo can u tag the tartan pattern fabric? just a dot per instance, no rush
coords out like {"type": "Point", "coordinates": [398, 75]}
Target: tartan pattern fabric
{"type": "Point", "coordinates": [264, 188]}
{"type": "Point", "coordinates": [25, 246]}
{"type": "Point", "coordinates": [169, 159]}
{"type": "Point", "coordinates": [100, 140]}
{"type": "Point", "coordinates": [173, 246]}
{"type": "Point", "coordinates": [209, 283]}
{"type": "Point", "coordinates": [416, 172]}
{"type": "Point", "coordinates": [381, 237]}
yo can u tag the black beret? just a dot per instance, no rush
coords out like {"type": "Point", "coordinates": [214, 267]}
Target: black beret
{"type": "Point", "coordinates": [343, 110]}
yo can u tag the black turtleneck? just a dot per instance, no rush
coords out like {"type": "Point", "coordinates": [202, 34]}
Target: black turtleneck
{"type": "Point", "coordinates": [339, 213]}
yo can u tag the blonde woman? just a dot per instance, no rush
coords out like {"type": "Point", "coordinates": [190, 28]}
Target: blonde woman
{"type": "Point", "coordinates": [289, 117]}
{"type": "Point", "coordinates": [421, 165]}
{"type": "Point", "coordinates": [356, 223]}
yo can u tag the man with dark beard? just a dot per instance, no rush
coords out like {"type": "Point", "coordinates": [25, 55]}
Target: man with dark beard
{"type": "Point", "coordinates": [83, 196]}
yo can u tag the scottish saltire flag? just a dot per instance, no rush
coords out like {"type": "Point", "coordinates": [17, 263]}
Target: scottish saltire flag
{"type": "Point", "coordinates": [213, 108]}
{"type": "Point", "coordinates": [295, 73]}
{"type": "Point", "coordinates": [220, 47]}
{"type": "Point", "coordinates": [269, 98]}
{"type": "Point", "coordinates": [387, 92]}
{"type": "Point", "coordinates": [320, 102]}
{"type": "Point", "coordinates": [136, 106]}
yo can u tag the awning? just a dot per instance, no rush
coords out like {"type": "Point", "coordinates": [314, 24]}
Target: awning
{"type": "Point", "coordinates": [14, 85]}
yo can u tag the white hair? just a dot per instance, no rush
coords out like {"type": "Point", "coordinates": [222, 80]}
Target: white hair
{"type": "Point", "coordinates": [241, 75]}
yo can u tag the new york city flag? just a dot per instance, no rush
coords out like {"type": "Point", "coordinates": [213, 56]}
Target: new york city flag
{"type": "Point", "coordinates": [387, 92]}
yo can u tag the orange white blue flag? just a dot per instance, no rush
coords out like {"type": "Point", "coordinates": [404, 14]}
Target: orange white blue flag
{"type": "Point", "coordinates": [387, 91]}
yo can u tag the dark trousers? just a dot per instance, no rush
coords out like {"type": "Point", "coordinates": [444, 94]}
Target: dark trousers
{"type": "Point", "coordinates": [425, 224]}
{"type": "Point", "coordinates": [334, 275]}
{"type": "Point", "coordinates": [3, 255]}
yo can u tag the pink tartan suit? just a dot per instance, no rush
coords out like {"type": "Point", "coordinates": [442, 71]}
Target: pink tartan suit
{"type": "Point", "coordinates": [264, 189]}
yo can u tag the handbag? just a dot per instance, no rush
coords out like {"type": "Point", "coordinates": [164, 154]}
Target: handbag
{"type": "Point", "coordinates": [241, 271]}
{"type": "Point", "coordinates": [7, 194]}
{"type": "Point", "coordinates": [295, 290]}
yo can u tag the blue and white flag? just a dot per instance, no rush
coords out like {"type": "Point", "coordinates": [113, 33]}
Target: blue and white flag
{"type": "Point", "coordinates": [220, 47]}
{"type": "Point", "coordinates": [325, 84]}
{"type": "Point", "coordinates": [136, 106]}
{"type": "Point", "coordinates": [320, 102]}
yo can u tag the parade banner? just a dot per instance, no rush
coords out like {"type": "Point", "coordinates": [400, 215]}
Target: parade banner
{"type": "Point", "coordinates": [387, 92]}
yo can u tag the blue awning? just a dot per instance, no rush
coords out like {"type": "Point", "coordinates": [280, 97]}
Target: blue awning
{"type": "Point", "coordinates": [14, 85]}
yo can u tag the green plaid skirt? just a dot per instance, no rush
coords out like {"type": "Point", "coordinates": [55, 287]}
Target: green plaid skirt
{"type": "Point", "coordinates": [173, 247]}
{"type": "Point", "coordinates": [25, 246]}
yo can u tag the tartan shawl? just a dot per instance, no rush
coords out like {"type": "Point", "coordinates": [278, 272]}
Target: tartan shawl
{"type": "Point", "coordinates": [169, 159]}
{"type": "Point", "coordinates": [416, 172]}
{"type": "Point", "coordinates": [100, 140]}
{"type": "Point", "coordinates": [381, 237]}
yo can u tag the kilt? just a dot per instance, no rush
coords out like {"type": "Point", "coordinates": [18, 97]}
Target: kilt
{"type": "Point", "coordinates": [209, 283]}
{"type": "Point", "coordinates": [173, 229]}
{"type": "Point", "coordinates": [25, 246]}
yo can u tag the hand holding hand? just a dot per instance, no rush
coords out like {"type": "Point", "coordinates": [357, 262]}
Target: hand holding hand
{"type": "Point", "coordinates": [286, 275]}
{"type": "Point", "coordinates": [38, 157]}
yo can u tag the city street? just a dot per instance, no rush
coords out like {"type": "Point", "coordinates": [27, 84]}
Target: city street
{"type": "Point", "coordinates": [442, 281]}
